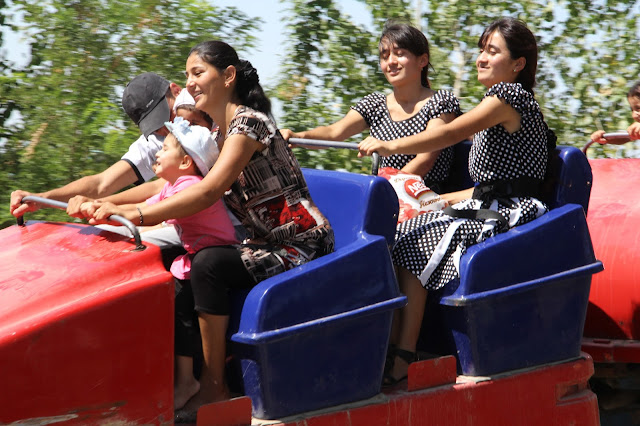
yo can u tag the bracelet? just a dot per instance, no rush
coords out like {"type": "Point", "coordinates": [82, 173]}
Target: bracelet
{"type": "Point", "coordinates": [141, 218]}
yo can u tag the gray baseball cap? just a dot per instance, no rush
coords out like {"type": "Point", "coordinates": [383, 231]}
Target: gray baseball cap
{"type": "Point", "coordinates": [144, 100]}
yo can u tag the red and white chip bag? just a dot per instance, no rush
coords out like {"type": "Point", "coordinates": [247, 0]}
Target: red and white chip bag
{"type": "Point", "coordinates": [414, 196]}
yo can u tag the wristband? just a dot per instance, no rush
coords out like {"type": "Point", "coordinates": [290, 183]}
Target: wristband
{"type": "Point", "coordinates": [141, 218]}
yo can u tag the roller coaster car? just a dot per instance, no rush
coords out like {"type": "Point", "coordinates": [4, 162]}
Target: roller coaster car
{"type": "Point", "coordinates": [520, 302]}
{"type": "Point", "coordinates": [86, 323]}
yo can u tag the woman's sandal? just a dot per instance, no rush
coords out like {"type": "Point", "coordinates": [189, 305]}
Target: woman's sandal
{"type": "Point", "coordinates": [392, 353]}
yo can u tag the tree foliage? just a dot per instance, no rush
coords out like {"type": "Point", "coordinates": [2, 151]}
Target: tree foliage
{"type": "Point", "coordinates": [83, 53]}
{"type": "Point", "coordinates": [60, 115]}
{"type": "Point", "coordinates": [588, 59]}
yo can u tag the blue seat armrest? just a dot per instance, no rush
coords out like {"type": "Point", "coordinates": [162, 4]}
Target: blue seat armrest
{"type": "Point", "coordinates": [524, 287]}
{"type": "Point", "coordinates": [555, 242]}
{"type": "Point", "coordinates": [335, 283]}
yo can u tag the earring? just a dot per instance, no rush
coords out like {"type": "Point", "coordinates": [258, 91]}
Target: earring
{"type": "Point", "coordinates": [515, 70]}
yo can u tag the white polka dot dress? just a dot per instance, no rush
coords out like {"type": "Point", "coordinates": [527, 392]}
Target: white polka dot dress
{"type": "Point", "coordinates": [430, 245]}
{"type": "Point", "coordinates": [373, 108]}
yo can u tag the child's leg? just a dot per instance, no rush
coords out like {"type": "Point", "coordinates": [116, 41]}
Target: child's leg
{"type": "Point", "coordinates": [187, 338]}
{"type": "Point", "coordinates": [185, 385]}
{"type": "Point", "coordinates": [214, 387]}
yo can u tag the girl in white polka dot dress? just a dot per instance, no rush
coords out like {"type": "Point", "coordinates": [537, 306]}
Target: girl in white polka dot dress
{"type": "Point", "coordinates": [408, 110]}
{"type": "Point", "coordinates": [508, 160]}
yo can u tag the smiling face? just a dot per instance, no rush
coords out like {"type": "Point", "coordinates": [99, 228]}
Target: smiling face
{"type": "Point", "coordinates": [205, 83]}
{"type": "Point", "coordinates": [634, 103]}
{"type": "Point", "coordinates": [495, 64]}
{"type": "Point", "coordinates": [170, 160]}
{"type": "Point", "coordinates": [400, 65]}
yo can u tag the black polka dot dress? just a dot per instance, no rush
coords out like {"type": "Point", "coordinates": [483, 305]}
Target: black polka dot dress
{"type": "Point", "coordinates": [430, 245]}
{"type": "Point", "coordinates": [373, 108]}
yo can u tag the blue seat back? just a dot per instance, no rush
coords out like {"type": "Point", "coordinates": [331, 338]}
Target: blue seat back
{"type": "Point", "coordinates": [459, 173]}
{"type": "Point", "coordinates": [568, 180]}
{"type": "Point", "coordinates": [358, 207]}
{"type": "Point", "coordinates": [354, 204]}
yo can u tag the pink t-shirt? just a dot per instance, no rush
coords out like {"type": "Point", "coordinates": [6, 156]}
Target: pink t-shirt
{"type": "Point", "coordinates": [209, 227]}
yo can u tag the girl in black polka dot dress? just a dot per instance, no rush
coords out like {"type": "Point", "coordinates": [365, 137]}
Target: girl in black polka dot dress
{"type": "Point", "coordinates": [508, 160]}
{"type": "Point", "coordinates": [409, 109]}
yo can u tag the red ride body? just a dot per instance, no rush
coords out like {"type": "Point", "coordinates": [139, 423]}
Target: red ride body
{"type": "Point", "coordinates": [86, 335]}
{"type": "Point", "coordinates": [612, 329]}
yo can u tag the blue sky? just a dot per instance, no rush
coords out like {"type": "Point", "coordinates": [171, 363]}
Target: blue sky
{"type": "Point", "coordinates": [265, 58]}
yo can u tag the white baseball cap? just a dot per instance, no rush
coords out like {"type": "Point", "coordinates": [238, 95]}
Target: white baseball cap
{"type": "Point", "coordinates": [183, 98]}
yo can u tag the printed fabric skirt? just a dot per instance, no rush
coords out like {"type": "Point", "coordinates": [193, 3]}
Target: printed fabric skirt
{"type": "Point", "coordinates": [430, 245]}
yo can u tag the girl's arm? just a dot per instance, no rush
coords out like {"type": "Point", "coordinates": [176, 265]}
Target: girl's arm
{"type": "Point", "coordinates": [235, 155]}
{"type": "Point", "coordinates": [456, 197]}
{"type": "Point", "coordinates": [490, 112]}
{"type": "Point", "coordinates": [634, 132]}
{"type": "Point", "coordinates": [102, 210]}
{"type": "Point", "coordinates": [423, 163]}
{"type": "Point", "coordinates": [349, 125]}
{"type": "Point", "coordinates": [137, 194]}
{"type": "Point", "coordinates": [83, 207]}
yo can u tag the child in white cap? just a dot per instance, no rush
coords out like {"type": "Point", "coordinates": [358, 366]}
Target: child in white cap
{"type": "Point", "coordinates": [185, 107]}
{"type": "Point", "coordinates": [187, 155]}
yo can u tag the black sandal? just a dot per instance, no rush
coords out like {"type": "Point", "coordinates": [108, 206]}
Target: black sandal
{"type": "Point", "coordinates": [392, 353]}
{"type": "Point", "coordinates": [185, 417]}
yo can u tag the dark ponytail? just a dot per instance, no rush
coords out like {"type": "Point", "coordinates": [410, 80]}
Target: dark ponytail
{"type": "Point", "coordinates": [248, 90]}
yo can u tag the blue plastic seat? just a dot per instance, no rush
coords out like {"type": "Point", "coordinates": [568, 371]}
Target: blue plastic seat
{"type": "Point", "coordinates": [316, 336]}
{"type": "Point", "coordinates": [522, 295]}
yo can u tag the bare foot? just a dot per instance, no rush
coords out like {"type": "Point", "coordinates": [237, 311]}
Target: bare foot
{"type": "Point", "coordinates": [400, 369]}
{"type": "Point", "coordinates": [183, 392]}
{"type": "Point", "coordinates": [199, 399]}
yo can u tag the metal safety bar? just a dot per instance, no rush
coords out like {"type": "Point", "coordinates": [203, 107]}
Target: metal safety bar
{"type": "Point", "coordinates": [62, 205]}
{"type": "Point", "coordinates": [375, 158]}
{"type": "Point", "coordinates": [608, 136]}
{"type": "Point", "coordinates": [616, 135]}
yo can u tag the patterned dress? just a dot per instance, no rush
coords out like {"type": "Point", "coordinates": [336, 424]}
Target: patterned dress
{"type": "Point", "coordinates": [271, 199]}
{"type": "Point", "coordinates": [373, 108]}
{"type": "Point", "coordinates": [430, 245]}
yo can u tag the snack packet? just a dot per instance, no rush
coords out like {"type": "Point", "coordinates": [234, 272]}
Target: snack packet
{"type": "Point", "coordinates": [414, 197]}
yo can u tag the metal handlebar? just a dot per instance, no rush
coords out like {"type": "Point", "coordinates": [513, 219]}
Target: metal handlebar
{"type": "Point", "coordinates": [609, 136]}
{"type": "Point", "coordinates": [584, 149]}
{"type": "Point", "coordinates": [616, 135]}
{"type": "Point", "coordinates": [375, 157]}
{"type": "Point", "coordinates": [62, 205]}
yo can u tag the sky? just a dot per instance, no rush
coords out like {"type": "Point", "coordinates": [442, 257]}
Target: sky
{"type": "Point", "coordinates": [265, 58]}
